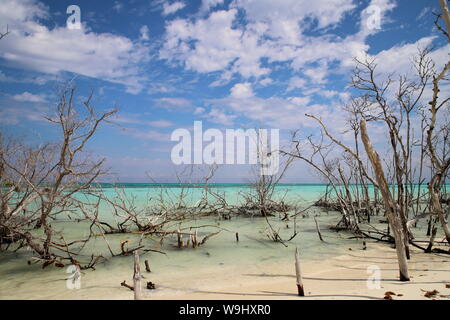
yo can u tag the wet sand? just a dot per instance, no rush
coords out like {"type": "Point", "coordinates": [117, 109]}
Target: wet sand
{"type": "Point", "coordinates": [342, 277]}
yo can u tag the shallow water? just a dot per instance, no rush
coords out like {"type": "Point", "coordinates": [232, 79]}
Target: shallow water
{"type": "Point", "coordinates": [185, 270]}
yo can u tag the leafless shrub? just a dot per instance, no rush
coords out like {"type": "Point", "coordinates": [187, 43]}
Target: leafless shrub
{"type": "Point", "coordinates": [39, 184]}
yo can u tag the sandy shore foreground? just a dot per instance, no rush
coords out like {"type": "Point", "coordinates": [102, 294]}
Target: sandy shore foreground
{"type": "Point", "coordinates": [342, 277]}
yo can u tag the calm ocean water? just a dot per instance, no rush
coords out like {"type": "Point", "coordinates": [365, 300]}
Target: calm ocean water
{"type": "Point", "coordinates": [303, 194]}
{"type": "Point", "coordinates": [188, 269]}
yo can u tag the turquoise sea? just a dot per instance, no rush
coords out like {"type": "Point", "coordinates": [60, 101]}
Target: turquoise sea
{"type": "Point", "coordinates": [182, 270]}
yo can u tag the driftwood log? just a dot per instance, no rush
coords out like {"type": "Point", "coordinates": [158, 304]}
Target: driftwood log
{"type": "Point", "coordinates": [137, 278]}
{"type": "Point", "coordinates": [301, 291]}
{"type": "Point", "coordinates": [147, 266]}
{"type": "Point", "coordinates": [318, 229]}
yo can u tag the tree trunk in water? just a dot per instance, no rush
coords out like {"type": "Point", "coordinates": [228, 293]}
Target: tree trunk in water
{"type": "Point", "coordinates": [431, 243]}
{"type": "Point", "coordinates": [137, 278]}
{"type": "Point", "coordinates": [437, 208]}
{"type": "Point", "coordinates": [298, 274]}
{"type": "Point", "coordinates": [318, 229]}
{"type": "Point", "coordinates": [389, 204]}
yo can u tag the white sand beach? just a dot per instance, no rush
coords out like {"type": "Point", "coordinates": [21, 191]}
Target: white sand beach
{"type": "Point", "coordinates": [342, 277]}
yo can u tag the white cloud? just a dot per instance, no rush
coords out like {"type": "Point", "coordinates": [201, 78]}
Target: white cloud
{"type": "Point", "coordinates": [217, 115]}
{"type": "Point", "coordinates": [29, 97]}
{"type": "Point", "coordinates": [300, 101]}
{"type": "Point", "coordinates": [174, 104]}
{"type": "Point", "coordinates": [117, 6]}
{"type": "Point", "coordinates": [214, 39]}
{"type": "Point", "coordinates": [317, 74]}
{"type": "Point", "coordinates": [266, 81]}
{"type": "Point", "coordinates": [207, 5]}
{"type": "Point", "coordinates": [242, 91]}
{"type": "Point", "coordinates": [173, 7]}
{"type": "Point", "coordinates": [425, 12]}
{"type": "Point", "coordinates": [286, 19]}
{"type": "Point", "coordinates": [296, 83]}
{"type": "Point", "coordinates": [15, 112]}
{"type": "Point", "coordinates": [144, 134]}
{"type": "Point", "coordinates": [398, 60]}
{"type": "Point", "coordinates": [283, 113]}
{"type": "Point", "coordinates": [161, 123]}
{"type": "Point", "coordinates": [199, 110]}
{"type": "Point", "coordinates": [144, 33]}
{"type": "Point", "coordinates": [137, 119]}
{"type": "Point", "coordinates": [31, 45]}
{"type": "Point", "coordinates": [328, 49]}
{"type": "Point", "coordinates": [344, 96]}
{"type": "Point", "coordinates": [399, 57]}
{"type": "Point", "coordinates": [37, 80]}
{"type": "Point", "coordinates": [274, 32]}
{"type": "Point", "coordinates": [214, 44]}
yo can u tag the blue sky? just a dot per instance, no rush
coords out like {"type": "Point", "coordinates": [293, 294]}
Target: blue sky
{"type": "Point", "coordinates": [230, 64]}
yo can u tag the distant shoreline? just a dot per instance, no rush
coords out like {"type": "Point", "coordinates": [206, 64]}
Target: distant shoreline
{"type": "Point", "coordinates": [173, 184]}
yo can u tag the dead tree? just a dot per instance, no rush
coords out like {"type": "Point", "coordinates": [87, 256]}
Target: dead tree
{"type": "Point", "coordinates": [332, 171]}
{"type": "Point", "coordinates": [440, 166]}
{"type": "Point", "coordinates": [261, 199]}
{"type": "Point", "coordinates": [298, 274]}
{"type": "Point", "coordinates": [39, 183]}
{"type": "Point", "coordinates": [4, 34]}
{"type": "Point", "coordinates": [396, 116]}
{"type": "Point", "coordinates": [137, 278]}
{"type": "Point", "coordinates": [389, 203]}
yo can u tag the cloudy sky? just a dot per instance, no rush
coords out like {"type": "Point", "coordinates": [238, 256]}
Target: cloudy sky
{"type": "Point", "coordinates": [230, 64]}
